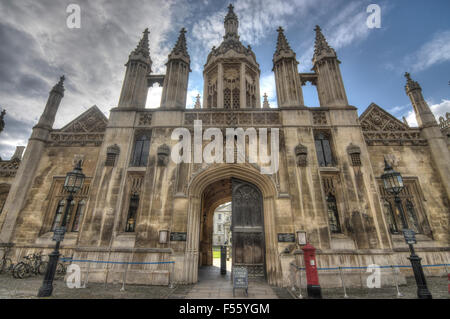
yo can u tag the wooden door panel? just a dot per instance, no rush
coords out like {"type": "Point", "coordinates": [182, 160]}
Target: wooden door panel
{"type": "Point", "coordinates": [247, 228]}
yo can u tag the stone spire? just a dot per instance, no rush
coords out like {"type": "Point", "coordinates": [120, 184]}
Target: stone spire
{"type": "Point", "coordinates": [287, 79]}
{"type": "Point", "coordinates": [180, 49]}
{"type": "Point", "coordinates": [266, 104]}
{"type": "Point", "coordinates": [330, 86]}
{"type": "Point", "coordinates": [197, 102]}
{"type": "Point", "coordinates": [142, 49]}
{"type": "Point", "coordinates": [423, 112]}
{"type": "Point", "coordinates": [321, 47]}
{"type": "Point", "coordinates": [2, 121]}
{"type": "Point", "coordinates": [283, 49]}
{"type": "Point", "coordinates": [430, 130]}
{"type": "Point", "coordinates": [139, 66]}
{"type": "Point", "coordinates": [231, 23]}
{"type": "Point", "coordinates": [175, 84]}
{"type": "Point", "coordinates": [54, 100]}
{"type": "Point", "coordinates": [410, 84]}
{"type": "Point", "coordinates": [59, 87]}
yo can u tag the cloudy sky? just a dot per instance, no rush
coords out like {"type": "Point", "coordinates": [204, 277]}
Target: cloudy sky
{"type": "Point", "coordinates": [36, 47]}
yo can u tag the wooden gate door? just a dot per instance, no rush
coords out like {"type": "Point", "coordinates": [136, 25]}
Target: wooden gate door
{"type": "Point", "coordinates": [247, 228]}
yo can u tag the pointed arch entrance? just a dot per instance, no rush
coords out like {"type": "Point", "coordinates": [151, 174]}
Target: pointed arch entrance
{"type": "Point", "coordinates": [264, 188]}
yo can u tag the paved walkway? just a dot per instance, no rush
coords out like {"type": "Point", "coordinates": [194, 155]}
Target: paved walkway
{"type": "Point", "coordinates": [212, 285]}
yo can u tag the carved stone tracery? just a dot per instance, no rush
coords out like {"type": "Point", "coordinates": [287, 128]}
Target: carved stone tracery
{"type": "Point", "coordinates": [381, 128]}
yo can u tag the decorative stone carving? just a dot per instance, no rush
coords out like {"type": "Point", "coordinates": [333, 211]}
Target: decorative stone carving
{"type": "Point", "coordinates": [233, 118]}
{"type": "Point", "coordinates": [353, 149]}
{"type": "Point", "coordinates": [381, 128]}
{"type": "Point", "coordinates": [355, 154]}
{"type": "Point", "coordinates": [93, 120]}
{"type": "Point", "coordinates": [163, 153]}
{"type": "Point", "coordinates": [444, 123]}
{"type": "Point", "coordinates": [145, 119]}
{"type": "Point", "coordinates": [319, 118]}
{"type": "Point", "coordinates": [301, 154]}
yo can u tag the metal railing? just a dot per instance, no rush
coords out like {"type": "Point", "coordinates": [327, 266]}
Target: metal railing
{"type": "Point", "coordinates": [296, 285]}
{"type": "Point", "coordinates": [125, 271]}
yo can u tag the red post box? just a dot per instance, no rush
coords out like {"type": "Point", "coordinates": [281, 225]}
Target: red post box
{"type": "Point", "coordinates": [312, 277]}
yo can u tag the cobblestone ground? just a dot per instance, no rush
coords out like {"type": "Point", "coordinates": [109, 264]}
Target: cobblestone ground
{"type": "Point", "coordinates": [28, 288]}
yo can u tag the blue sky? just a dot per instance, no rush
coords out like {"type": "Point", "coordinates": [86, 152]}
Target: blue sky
{"type": "Point", "coordinates": [37, 47]}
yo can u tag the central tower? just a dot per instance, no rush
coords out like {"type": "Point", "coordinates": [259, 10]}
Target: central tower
{"type": "Point", "coordinates": [231, 73]}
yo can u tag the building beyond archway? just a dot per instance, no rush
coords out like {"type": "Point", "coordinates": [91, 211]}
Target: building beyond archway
{"type": "Point", "coordinates": [247, 224]}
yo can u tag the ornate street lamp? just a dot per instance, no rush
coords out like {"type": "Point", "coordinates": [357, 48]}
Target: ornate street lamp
{"type": "Point", "coordinates": [72, 184]}
{"type": "Point", "coordinates": [393, 184]}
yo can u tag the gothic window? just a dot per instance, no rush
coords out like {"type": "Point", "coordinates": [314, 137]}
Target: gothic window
{"type": "Point", "coordinates": [141, 150]}
{"type": "Point", "coordinates": [236, 97]}
{"type": "Point", "coordinates": [227, 98]}
{"type": "Point", "coordinates": [132, 213]}
{"type": "Point", "coordinates": [58, 215]}
{"type": "Point", "coordinates": [409, 197]}
{"type": "Point", "coordinates": [411, 216]}
{"type": "Point", "coordinates": [323, 149]}
{"type": "Point", "coordinates": [78, 216]}
{"type": "Point", "coordinates": [333, 216]}
{"type": "Point", "coordinates": [390, 218]}
{"type": "Point", "coordinates": [56, 209]}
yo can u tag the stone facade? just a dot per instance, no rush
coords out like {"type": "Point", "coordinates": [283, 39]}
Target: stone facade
{"type": "Point", "coordinates": [327, 184]}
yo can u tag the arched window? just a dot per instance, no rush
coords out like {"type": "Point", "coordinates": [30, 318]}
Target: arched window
{"type": "Point", "coordinates": [132, 213]}
{"type": "Point", "coordinates": [78, 216]}
{"type": "Point", "coordinates": [323, 149]}
{"type": "Point", "coordinates": [58, 214]}
{"type": "Point", "coordinates": [411, 216]}
{"type": "Point", "coordinates": [390, 218]}
{"type": "Point", "coordinates": [333, 216]}
{"type": "Point", "coordinates": [141, 149]}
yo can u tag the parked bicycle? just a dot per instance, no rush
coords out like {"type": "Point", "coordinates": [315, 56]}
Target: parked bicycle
{"type": "Point", "coordinates": [6, 264]}
{"type": "Point", "coordinates": [61, 267]}
{"type": "Point", "coordinates": [32, 265]}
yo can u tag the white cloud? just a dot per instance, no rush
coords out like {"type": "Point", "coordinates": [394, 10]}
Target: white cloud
{"type": "Point", "coordinates": [438, 110]}
{"type": "Point", "coordinates": [436, 51]}
{"type": "Point", "coordinates": [345, 28]}
{"type": "Point", "coordinates": [267, 85]}
{"type": "Point", "coordinates": [192, 97]}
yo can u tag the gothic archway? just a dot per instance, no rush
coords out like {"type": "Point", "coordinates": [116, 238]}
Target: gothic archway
{"type": "Point", "coordinates": [196, 188]}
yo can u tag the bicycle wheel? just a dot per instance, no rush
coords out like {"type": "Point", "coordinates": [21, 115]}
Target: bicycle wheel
{"type": "Point", "coordinates": [2, 265]}
{"type": "Point", "coordinates": [20, 270]}
{"type": "Point", "coordinates": [60, 270]}
{"type": "Point", "coordinates": [42, 267]}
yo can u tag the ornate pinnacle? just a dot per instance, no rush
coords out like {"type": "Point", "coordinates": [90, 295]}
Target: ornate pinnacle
{"type": "Point", "coordinates": [2, 121]}
{"type": "Point", "coordinates": [180, 48]}
{"type": "Point", "coordinates": [231, 14]}
{"type": "Point", "coordinates": [321, 46]}
{"type": "Point", "coordinates": [283, 48]}
{"type": "Point", "coordinates": [197, 102]}
{"type": "Point", "coordinates": [59, 87]}
{"type": "Point", "coordinates": [266, 104]}
{"type": "Point", "coordinates": [143, 46]}
{"type": "Point", "coordinates": [282, 43]}
{"type": "Point", "coordinates": [410, 84]}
